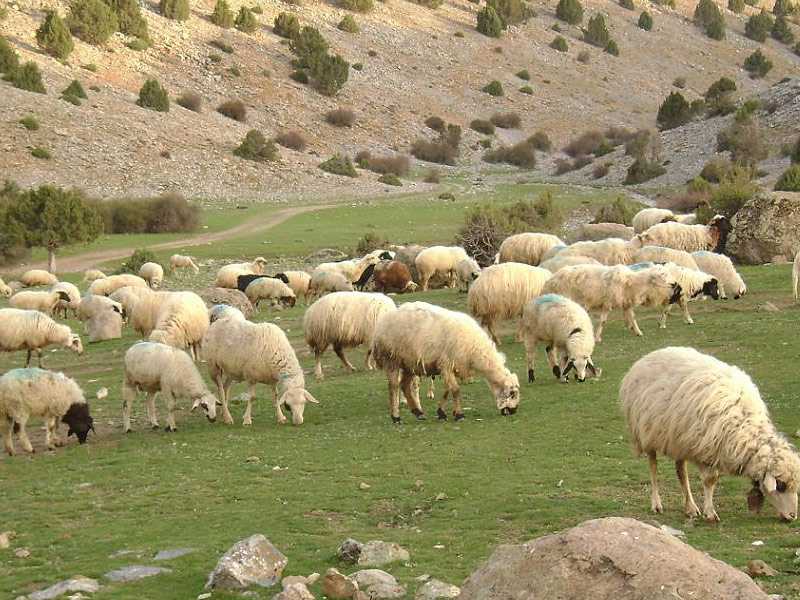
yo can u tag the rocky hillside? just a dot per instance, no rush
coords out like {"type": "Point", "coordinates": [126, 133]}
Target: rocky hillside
{"type": "Point", "coordinates": [414, 66]}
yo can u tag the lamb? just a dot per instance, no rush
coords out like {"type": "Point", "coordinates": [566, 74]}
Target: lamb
{"type": "Point", "coordinates": [467, 271]}
{"type": "Point", "coordinates": [721, 267]}
{"type": "Point", "coordinates": [74, 297]}
{"type": "Point", "coordinates": [267, 288]}
{"type": "Point", "coordinates": [695, 408]}
{"type": "Point", "coordinates": [299, 282]}
{"type": "Point", "coordinates": [602, 231]}
{"type": "Point", "coordinates": [26, 393]}
{"type": "Point", "coordinates": [393, 276]}
{"type": "Point", "coordinates": [604, 289]}
{"type": "Point", "coordinates": [323, 282]}
{"type": "Point", "coordinates": [343, 320]}
{"type": "Point", "coordinates": [152, 367]}
{"type": "Point", "coordinates": [647, 217]}
{"type": "Point", "coordinates": [228, 275]}
{"type": "Point", "coordinates": [91, 306]}
{"type": "Point", "coordinates": [93, 274]}
{"type": "Point", "coordinates": [658, 254]}
{"type": "Point", "coordinates": [5, 290]}
{"type": "Point", "coordinates": [796, 276]}
{"type": "Point", "coordinates": [422, 340]}
{"type": "Point", "coordinates": [181, 320]}
{"type": "Point", "coordinates": [690, 238]}
{"type": "Point", "coordinates": [438, 260]}
{"type": "Point", "coordinates": [238, 350]}
{"type": "Point", "coordinates": [152, 273]}
{"type": "Point", "coordinates": [179, 261]}
{"type": "Point", "coordinates": [42, 301]}
{"type": "Point", "coordinates": [502, 291]}
{"type": "Point", "coordinates": [611, 251]}
{"type": "Point", "coordinates": [528, 248]}
{"type": "Point", "coordinates": [36, 277]}
{"type": "Point", "coordinates": [350, 269]}
{"type": "Point", "coordinates": [560, 262]}
{"type": "Point", "coordinates": [567, 330]}
{"type": "Point", "coordinates": [109, 285]}
{"type": "Point", "coordinates": [31, 330]}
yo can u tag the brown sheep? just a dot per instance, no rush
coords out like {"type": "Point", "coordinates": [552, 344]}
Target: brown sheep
{"type": "Point", "coordinates": [393, 276]}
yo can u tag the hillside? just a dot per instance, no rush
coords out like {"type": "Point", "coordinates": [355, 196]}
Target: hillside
{"type": "Point", "coordinates": [413, 67]}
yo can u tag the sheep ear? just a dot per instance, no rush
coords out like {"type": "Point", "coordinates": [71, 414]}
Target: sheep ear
{"type": "Point", "coordinates": [195, 404]}
{"type": "Point", "coordinates": [770, 484]}
{"type": "Point", "coordinates": [591, 367]}
{"type": "Point", "coordinates": [574, 331]}
{"type": "Point", "coordinates": [755, 499]}
{"type": "Point", "coordinates": [309, 397]}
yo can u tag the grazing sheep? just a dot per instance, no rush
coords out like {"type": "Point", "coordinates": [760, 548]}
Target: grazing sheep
{"type": "Point", "coordinates": [323, 282]}
{"type": "Point", "coordinates": [721, 267]}
{"type": "Point", "coordinates": [128, 296]}
{"type": "Point", "coordinates": [227, 276]}
{"type": "Point", "coordinates": [109, 285]}
{"type": "Point", "coordinates": [244, 280]}
{"type": "Point", "coordinates": [467, 271]}
{"type": "Point", "coordinates": [181, 320]}
{"type": "Point", "coordinates": [393, 276]}
{"type": "Point", "coordinates": [658, 254]}
{"type": "Point", "coordinates": [5, 290]}
{"type": "Point", "coordinates": [422, 340]}
{"type": "Point", "coordinates": [26, 393]}
{"type": "Point", "coordinates": [74, 298]}
{"type": "Point", "coordinates": [179, 261]}
{"type": "Point", "coordinates": [611, 251]}
{"type": "Point", "coordinates": [104, 326]}
{"type": "Point", "coordinates": [267, 288]}
{"type": "Point", "coordinates": [351, 269]}
{"type": "Point", "coordinates": [694, 408]}
{"type": "Point", "coordinates": [299, 282]}
{"type": "Point", "coordinates": [152, 367]}
{"type": "Point", "coordinates": [238, 350]}
{"type": "Point", "coordinates": [223, 311]}
{"type": "Point", "coordinates": [42, 301]}
{"type": "Point", "coordinates": [36, 277]}
{"type": "Point", "coordinates": [91, 306]}
{"type": "Point", "coordinates": [234, 298]}
{"type": "Point", "coordinates": [647, 217]}
{"type": "Point", "coordinates": [408, 256]}
{"type": "Point", "coordinates": [502, 291]}
{"type": "Point", "coordinates": [528, 248]}
{"type": "Point", "coordinates": [93, 274]}
{"type": "Point", "coordinates": [31, 330]}
{"type": "Point", "coordinates": [604, 289]}
{"type": "Point", "coordinates": [593, 232]}
{"type": "Point", "coordinates": [152, 273]}
{"type": "Point", "coordinates": [557, 262]}
{"type": "Point", "coordinates": [687, 219]}
{"type": "Point", "coordinates": [567, 330]}
{"type": "Point", "coordinates": [343, 320]}
{"type": "Point", "coordinates": [690, 238]}
{"type": "Point", "coordinates": [441, 260]}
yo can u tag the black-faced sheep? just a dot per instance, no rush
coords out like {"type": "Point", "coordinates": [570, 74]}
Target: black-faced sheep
{"type": "Point", "coordinates": [228, 275]}
{"type": "Point", "coordinates": [528, 248]}
{"type": "Point", "coordinates": [63, 306]}
{"type": "Point", "coordinates": [721, 267]}
{"type": "Point", "coordinates": [242, 281]}
{"type": "Point", "coordinates": [351, 269]}
{"type": "Point", "coordinates": [32, 331]}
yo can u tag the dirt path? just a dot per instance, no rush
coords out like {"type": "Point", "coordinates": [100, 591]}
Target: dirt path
{"type": "Point", "coordinates": [88, 260]}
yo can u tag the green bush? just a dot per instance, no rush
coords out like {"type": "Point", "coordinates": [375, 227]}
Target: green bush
{"type": "Point", "coordinates": [175, 9]}
{"type": "Point", "coordinates": [759, 26]}
{"type": "Point", "coordinates": [645, 21]}
{"type": "Point", "coordinates": [443, 151]}
{"type": "Point", "coordinates": [330, 73]}
{"type": "Point", "coordinates": [74, 93]}
{"type": "Point", "coordinates": [746, 110]}
{"type": "Point", "coordinates": [482, 126]}
{"type": "Point", "coordinates": [716, 170]}
{"type": "Point", "coordinates": [559, 43]}
{"type": "Point", "coordinates": [526, 89]}
{"type": "Point", "coordinates": [256, 147]}
{"type": "Point", "coordinates": [524, 75]}
{"type": "Point", "coordinates": [309, 46]}
{"type": "Point", "coordinates": [612, 48]}
{"type": "Point", "coordinates": [733, 192]}
{"type": "Point", "coordinates": [223, 15]}
{"type": "Point", "coordinates": [506, 120]}
{"type": "Point", "coordinates": [520, 155]}
{"type": "Point", "coordinates": [91, 21]}
{"type": "Point", "coordinates": [784, 8]}
{"type": "Point", "coordinates": [782, 32]}
{"type": "Point", "coordinates": [596, 32]}
{"type": "Point", "coordinates": [246, 21]}
{"type": "Point", "coordinates": [540, 141]}
{"type": "Point", "coordinates": [708, 16]}
{"type": "Point", "coordinates": [27, 77]}
{"type": "Point", "coordinates": [627, 4]}
{"type": "Point", "coordinates": [348, 24]}
{"type": "Point", "coordinates": [361, 6]}
{"type": "Point", "coordinates": [746, 142]}
{"type": "Point", "coordinates": [673, 112]}
{"type": "Point", "coordinates": [621, 210]}
{"type": "Point", "coordinates": [795, 153]}
{"type": "Point", "coordinates": [719, 97]}
{"type": "Point", "coordinates": [300, 76]}
{"type": "Point", "coordinates": [39, 152]}
{"type": "Point", "coordinates": [29, 122]}
{"type": "Point", "coordinates": [493, 88]}
{"type": "Point", "coordinates": [138, 45]}
{"type": "Point", "coordinates": [136, 260]}
{"type": "Point", "coordinates": [789, 181]}
{"type": "Point", "coordinates": [153, 96]}
{"type": "Point", "coordinates": [286, 25]}
{"type": "Point", "coordinates": [489, 22]}
{"type": "Point", "coordinates": [168, 213]}
{"type": "Point", "coordinates": [129, 18]}
{"type": "Point", "coordinates": [9, 59]}
{"type": "Point", "coordinates": [511, 12]}
{"type": "Point", "coordinates": [390, 179]}
{"type": "Point", "coordinates": [233, 109]}
{"type": "Point", "coordinates": [643, 170]}
{"type": "Point", "coordinates": [339, 165]}
{"type": "Point", "coordinates": [570, 11]}
{"type": "Point", "coordinates": [757, 65]}
{"type": "Point", "coordinates": [736, 6]}
{"type": "Point", "coordinates": [54, 37]}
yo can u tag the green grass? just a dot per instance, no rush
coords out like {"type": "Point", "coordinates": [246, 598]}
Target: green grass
{"type": "Point", "coordinates": [561, 460]}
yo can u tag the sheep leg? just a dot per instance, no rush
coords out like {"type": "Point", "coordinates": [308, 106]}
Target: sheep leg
{"type": "Point", "coordinates": [393, 377]}
{"type": "Point", "coordinates": [530, 356]}
{"type": "Point", "coordinates": [655, 497]}
{"type": "Point", "coordinates": [340, 353]}
{"type": "Point", "coordinates": [630, 319]}
{"type": "Point", "coordinates": [7, 429]}
{"type": "Point", "coordinates": [278, 412]}
{"type": "Point", "coordinates": [690, 508]}
{"type": "Point", "coordinates": [423, 281]}
{"type": "Point", "coordinates": [49, 431]}
{"type": "Point", "coordinates": [598, 333]}
{"type": "Point", "coordinates": [23, 435]}
{"type": "Point", "coordinates": [248, 411]}
{"type": "Point", "coordinates": [440, 412]}
{"type": "Point", "coordinates": [489, 324]}
{"type": "Point", "coordinates": [223, 387]}
{"type": "Point", "coordinates": [685, 308]}
{"type": "Point", "coordinates": [410, 385]}
{"type": "Point", "coordinates": [431, 389]}
{"type": "Point", "coordinates": [451, 386]}
{"type": "Point", "coordinates": [152, 415]}
{"type": "Point", "coordinates": [128, 395]}
{"type": "Point", "coordinates": [710, 479]}
{"type": "Point", "coordinates": [662, 320]}
{"type": "Point", "coordinates": [169, 399]}
{"type": "Point", "coordinates": [369, 362]}
{"type": "Point", "coordinates": [28, 361]}
{"type": "Point", "coordinates": [318, 363]}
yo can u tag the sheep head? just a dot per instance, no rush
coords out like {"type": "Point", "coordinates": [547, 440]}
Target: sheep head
{"type": "Point", "coordinates": [577, 358]}
{"type": "Point", "coordinates": [74, 343]}
{"type": "Point", "coordinates": [506, 394]}
{"type": "Point", "coordinates": [79, 421]}
{"type": "Point", "coordinates": [711, 288]}
{"type": "Point", "coordinates": [209, 404]}
{"type": "Point", "coordinates": [288, 300]}
{"type": "Point", "coordinates": [719, 227]}
{"type": "Point", "coordinates": [294, 399]}
{"type": "Point", "coordinates": [779, 480]}
{"type": "Point", "coordinates": [781, 496]}
{"type": "Point", "coordinates": [259, 264]}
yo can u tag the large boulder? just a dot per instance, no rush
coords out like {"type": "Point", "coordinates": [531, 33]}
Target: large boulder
{"type": "Point", "coordinates": [766, 229]}
{"type": "Point", "coordinates": [252, 561]}
{"type": "Point", "coordinates": [607, 559]}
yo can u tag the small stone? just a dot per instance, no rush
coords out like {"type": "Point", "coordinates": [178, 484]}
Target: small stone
{"type": "Point", "coordinates": [253, 459]}
{"type": "Point", "coordinates": [134, 573]}
{"type": "Point", "coordinates": [5, 539]}
{"type": "Point", "coordinates": [170, 554]}
{"type": "Point", "coordinates": [205, 596]}
{"type": "Point", "coordinates": [383, 591]}
{"type": "Point", "coordinates": [22, 553]}
{"type": "Point", "coordinates": [440, 496]}
{"type": "Point", "coordinates": [758, 568]}
{"type": "Point", "coordinates": [377, 553]}
{"type": "Point", "coordinates": [349, 550]}
{"type": "Point", "coordinates": [75, 584]}
{"type": "Point", "coordinates": [776, 597]}
{"type": "Point", "coordinates": [294, 591]}
{"type": "Point", "coordinates": [434, 589]}
{"type": "Point", "coordinates": [757, 543]}
{"type": "Point", "coordinates": [252, 561]}
{"type": "Point", "coordinates": [335, 585]}
{"type": "Point", "coordinates": [364, 486]}
{"type": "Point", "coordinates": [102, 393]}
{"type": "Point", "coordinates": [676, 532]}
{"type": "Point", "coordinates": [366, 578]}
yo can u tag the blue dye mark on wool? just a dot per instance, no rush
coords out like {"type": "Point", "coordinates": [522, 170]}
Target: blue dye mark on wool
{"type": "Point", "coordinates": [28, 374]}
{"type": "Point", "coordinates": [703, 252]}
{"type": "Point", "coordinates": [641, 266]}
{"type": "Point", "coordinates": [547, 298]}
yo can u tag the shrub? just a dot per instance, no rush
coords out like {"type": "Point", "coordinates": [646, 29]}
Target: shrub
{"type": "Point", "coordinates": [708, 16]}
{"type": "Point", "coordinates": [257, 10]}
{"type": "Point", "coordinates": [233, 109]}
{"type": "Point", "coordinates": [27, 77]}
{"type": "Point", "coordinates": [300, 76]}
{"type": "Point", "coordinates": [524, 75]}
{"type": "Point", "coordinates": [29, 122]}
{"type": "Point", "coordinates": [586, 143]}
{"type": "Point", "coordinates": [215, 58]}
{"type": "Point", "coordinates": [612, 48]}
{"type": "Point", "coordinates": [729, 196]}
{"type": "Point", "coordinates": [330, 73]}
{"type": "Point", "coordinates": [256, 147]}
{"type": "Point", "coordinates": [348, 24]}
{"type": "Point", "coordinates": [309, 46]}
{"type": "Point", "coordinates": [621, 211]}
{"type": "Point", "coordinates": [74, 93]}
{"type": "Point", "coordinates": [90, 67]}
{"type": "Point", "coordinates": [91, 21]}
{"type": "Point", "coordinates": [399, 164]}
{"type": "Point", "coordinates": [222, 45]}
{"type": "Point", "coordinates": [493, 88]}
{"type": "Point", "coordinates": [520, 154]}
{"type": "Point", "coordinates": [673, 112]}
{"type": "Point", "coordinates": [718, 97]}
{"type": "Point", "coordinates": [736, 6]}
{"type": "Point", "coordinates": [643, 170]}
{"type": "Point", "coordinates": [341, 117]}
{"type": "Point", "coordinates": [444, 151]}
{"type": "Point", "coordinates": [136, 260]}
{"type": "Point", "coordinates": [435, 123]}
{"type": "Point", "coordinates": [596, 32]}
{"type": "Point", "coordinates": [168, 213]}
{"type": "Point", "coordinates": [744, 139]}
{"type": "Point", "coordinates": [645, 21]}
{"type": "Point", "coordinates": [489, 22]}
{"type": "Point", "coordinates": [286, 25]}
{"type": "Point", "coordinates": [506, 120]}
{"type": "Point", "coordinates": [39, 152]}
{"type": "Point", "coordinates": [433, 176]}
{"type": "Point", "coordinates": [540, 141]}
{"type": "Point", "coordinates": [482, 126]}
{"type": "Point", "coordinates": [361, 6]}
{"type": "Point", "coordinates": [570, 11]}
{"type": "Point", "coordinates": [783, 8]}
{"type": "Point", "coordinates": [129, 19]}
{"type": "Point", "coordinates": [747, 109]}
{"type": "Point", "coordinates": [627, 4]}
{"type": "Point", "coordinates": [9, 59]}
{"type": "Point", "coordinates": [759, 26]}
{"type": "Point", "coordinates": [390, 179]}
{"type": "Point", "coordinates": [246, 21]}
{"type": "Point", "coordinates": [526, 89]}
{"type": "Point", "coordinates": [54, 37]}
{"type": "Point", "coordinates": [757, 65]}
{"type": "Point", "coordinates": [584, 57]}
{"type": "Point", "coordinates": [797, 48]}
{"type": "Point", "coordinates": [339, 165]}
{"type": "Point", "coordinates": [556, 27]}
{"type": "Point", "coordinates": [795, 153]}
{"type": "Point", "coordinates": [175, 9]}
{"type": "Point", "coordinates": [782, 32]}
{"type": "Point", "coordinates": [716, 170]}
{"type": "Point", "coordinates": [601, 171]}
{"type": "Point", "coordinates": [138, 45]}
{"type": "Point", "coordinates": [789, 181]}
{"type": "Point", "coordinates": [153, 96]}
{"type": "Point", "coordinates": [559, 43]}
{"type": "Point", "coordinates": [190, 101]}
{"type": "Point", "coordinates": [222, 15]}
{"type": "Point", "coordinates": [679, 82]}
{"type": "Point", "coordinates": [511, 12]}
{"type": "Point", "coordinates": [292, 139]}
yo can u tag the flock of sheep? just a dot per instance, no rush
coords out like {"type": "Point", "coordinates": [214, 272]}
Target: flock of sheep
{"type": "Point", "coordinates": [677, 401]}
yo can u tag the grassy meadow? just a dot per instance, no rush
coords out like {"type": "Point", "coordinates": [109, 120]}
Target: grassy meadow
{"type": "Point", "coordinates": [448, 492]}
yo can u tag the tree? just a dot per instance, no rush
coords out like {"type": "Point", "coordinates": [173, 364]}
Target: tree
{"type": "Point", "coordinates": [782, 32]}
{"type": "Point", "coordinates": [330, 74]}
{"type": "Point", "coordinates": [246, 21]}
{"type": "Point", "coordinates": [489, 22]}
{"type": "Point", "coordinates": [129, 18]}
{"type": "Point", "coordinates": [511, 12]}
{"type": "Point", "coordinates": [759, 26]}
{"type": "Point", "coordinates": [223, 15]}
{"type": "Point", "coordinates": [673, 112]}
{"type": "Point", "coordinates": [9, 59]}
{"type": "Point", "coordinates": [153, 96]}
{"type": "Point", "coordinates": [53, 218]}
{"type": "Point", "coordinates": [175, 9]}
{"type": "Point", "coordinates": [54, 37]}
{"type": "Point", "coordinates": [708, 16]}
{"type": "Point", "coordinates": [91, 21]}
{"type": "Point", "coordinates": [645, 21]}
{"type": "Point", "coordinates": [286, 25]}
{"type": "Point", "coordinates": [570, 11]}
{"type": "Point", "coordinates": [757, 65]}
{"type": "Point", "coordinates": [596, 33]}
{"type": "Point", "coordinates": [309, 46]}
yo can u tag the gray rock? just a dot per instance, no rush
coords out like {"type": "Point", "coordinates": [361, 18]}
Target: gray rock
{"type": "Point", "coordinates": [378, 584]}
{"type": "Point", "coordinates": [134, 573]}
{"type": "Point", "coordinates": [381, 591]}
{"type": "Point", "coordinates": [349, 550]}
{"type": "Point", "coordinates": [68, 586]}
{"type": "Point", "coordinates": [765, 228]}
{"type": "Point", "coordinates": [252, 561]}
{"type": "Point", "coordinates": [170, 554]}
{"type": "Point", "coordinates": [336, 585]}
{"type": "Point", "coordinates": [433, 589]}
{"type": "Point", "coordinates": [607, 559]}
{"type": "Point", "coordinates": [377, 553]}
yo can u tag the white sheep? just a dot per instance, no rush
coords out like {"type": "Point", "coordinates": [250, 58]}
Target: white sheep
{"type": "Point", "coordinates": [151, 368]}
{"type": "Point", "coordinates": [91, 306]}
{"type": "Point", "coordinates": [602, 231]}
{"type": "Point", "coordinates": [553, 252]}
{"type": "Point", "coordinates": [106, 325]}
{"type": "Point", "coordinates": [438, 260]}
{"type": "Point", "coordinates": [179, 261]}
{"type": "Point", "coordinates": [128, 296]}
{"type": "Point", "coordinates": [323, 282]}
{"type": "Point", "coordinates": [31, 330]}
{"type": "Point", "coordinates": [26, 393]}
{"type": "Point", "coordinates": [228, 276]}
{"type": "Point", "coordinates": [689, 238]}
{"type": "Point", "coordinates": [42, 301]}
{"type": "Point", "coordinates": [604, 289]}
{"type": "Point", "coordinates": [695, 408]}
{"type": "Point", "coordinates": [181, 320]}
{"type": "Point", "coordinates": [152, 273]}
{"type": "Point", "coordinates": [422, 340]}
{"type": "Point", "coordinates": [557, 262]}
{"type": "Point", "coordinates": [566, 329]}
{"type": "Point", "coordinates": [467, 271]}
{"type": "Point", "coordinates": [610, 251]}
{"type": "Point", "coordinates": [267, 288]}
{"type": "Point", "coordinates": [299, 282]}
{"type": "Point", "coordinates": [74, 294]}
{"type": "Point", "coordinates": [721, 267]}
{"type": "Point", "coordinates": [686, 219]}
{"type": "Point", "coordinates": [502, 291]}
{"type": "Point", "coordinates": [36, 277]}
{"type": "Point", "coordinates": [343, 320]}
{"type": "Point", "coordinates": [5, 290]}
{"type": "Point", "coordinates": [109, 285]}
{"type": "Point", "coordinates": [659, 254]}
{"type": "Point", "coordinates": [351, 269]}
{"type": "Point", "coordinates": [647, 217]}
{"type": "Point", "coordinates": [93, 274]}
{"type": "Point", "coordinates": [528, 248]}
{"type": "Point", "coordinates": [238, 350]}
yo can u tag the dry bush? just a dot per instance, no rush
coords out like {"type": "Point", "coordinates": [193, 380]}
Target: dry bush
{"type": "Point", "coordinates": [233, 109]}
{"type": "Point", "coordinates": [686, 202]}
{"type": "Point", "coordinates": [586, 143]}
{"type": "Point", "coordinates": [601, 170]}
{"type": "Point", "coordinates": [435, 123]}
{"type": "Point", "coordinates": [521, 155]}
{"type": "Point", "coordinates": [433, 176]}
{"type": "Point", "coordinates": [341, 117]}
{"type": "Point", "coordinates": [190, 101]}
{"type": "Point", "coordinates": [482, 126]}
{"type": "Point", "coordinates": [506, 120]}
{"type": "Point", "coordinates": [399, 164]}
{"type": "Point", "coordinates": [292, 139]}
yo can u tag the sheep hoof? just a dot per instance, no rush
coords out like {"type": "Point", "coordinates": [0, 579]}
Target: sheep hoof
{"type": "Point", "coordinates": [557, 371]}
{"type": "Point", "coordinates": [712, 517]}
{"type": "Point", "coordinates": [531, 376]}
{"type": "Point", "coordinates": [170, 429]}
{"type": "Point", "coordinates": [458, 416]}
{"type": "Point", "coordinates": [155, 427]}
{"type": "Point", "coordinates": [396, 420]}
{"type": "Point", "coordinates": [418, 413]}
{"type": "Point", "coordinates": [127, 431]}
{"type": "Point", "coordinates": [441, 414]}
